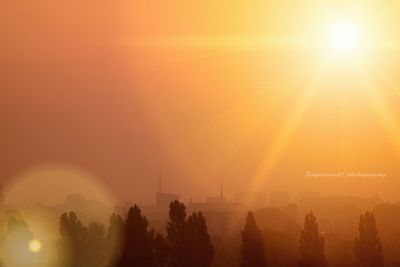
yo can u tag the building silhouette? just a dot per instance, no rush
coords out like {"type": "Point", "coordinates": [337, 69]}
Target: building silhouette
{"type": "Point", "coordinates": [217, 199]}
{"type": "Point", "coordinates": [217, 204]}
{"type": "Point", "coordinates": [163, 200]}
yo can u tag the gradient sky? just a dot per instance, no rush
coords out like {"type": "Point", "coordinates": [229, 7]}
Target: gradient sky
{"type": "Point", "coordinates": [126, 89]}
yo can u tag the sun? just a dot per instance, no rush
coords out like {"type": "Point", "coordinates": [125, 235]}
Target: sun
{"type": "Point", "coordinates": [35, 246]}
{"type": "Point", "coordinates": [344, 36]}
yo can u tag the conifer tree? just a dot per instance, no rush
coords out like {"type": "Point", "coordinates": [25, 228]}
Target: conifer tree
{"type": "Point", "coordinates": [177, 236]}
{"type": "Point", "coordinates": [253, 251]}
{"type": "Point", "coordinates": [188, 238]}
{"type": "Point", "coordinates": [73, 240]}
{"type": "Point", "coordinates": [368, 248]}
{"type": "Point", "coordinates": [311, 244]}
{"type": "Point", "coordinates": [161, 250]}
{"type": "Point", "coordinates": [137, 249]}
{"type": "Point", "coordinates": [202, 252]}
{"type": "Point", "coordinates": [96, 245]}
{"type": "Point", "coordinates": [13, 247]}
{"type": "Point", "coordinates": [115, 240]}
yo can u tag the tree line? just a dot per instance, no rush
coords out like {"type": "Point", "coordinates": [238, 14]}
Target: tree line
{"type": "Point", "coordinates": [187, 242]}
{"type": "Point", "coordinates": [130, 242]}
{"type": "Point", "coordinates": [367, 249]}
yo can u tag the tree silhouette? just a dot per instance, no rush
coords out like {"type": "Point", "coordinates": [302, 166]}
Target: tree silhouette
{"type": "Point", "coordinates": [343, 255]}
{"type": "Point", "coordinates": [177, 237]}
{"type": "Point", "coordinates": [15, 243]}
{"type": "Point", "coordinates": [368, 247]}
{"type": "Point", "coordinates": [188, 239]}
{"type": "Point", "coordinates": [311, 244]}
{"type": "Point", "coordinates": [202, 252]}
{"type": "Point", "coordinates": [115, 240]}
{"type": "Point", "coordinates": [73, 240]}
{"type": "Point", "coordinates": [161, 250]}
{"type": "Point", "coordinates": [253, 251]}
{"type": "Point", "coordinates": [137, 249]}
{"type": "Point", "coordinates": [96, 245]}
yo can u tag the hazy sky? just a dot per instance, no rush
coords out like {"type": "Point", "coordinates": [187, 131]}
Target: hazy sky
{"type": "Point", "coordinates": [126, 89]}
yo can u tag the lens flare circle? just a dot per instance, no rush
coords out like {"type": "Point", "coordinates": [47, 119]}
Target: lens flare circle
{"type": "Point", "coordinates": [35, 246]}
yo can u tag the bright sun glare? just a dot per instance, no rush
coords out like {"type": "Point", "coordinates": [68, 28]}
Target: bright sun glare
{"type": "Point", "coordinates": [35, 246]}
{"type": "Point", "coordinates": [344, 36]}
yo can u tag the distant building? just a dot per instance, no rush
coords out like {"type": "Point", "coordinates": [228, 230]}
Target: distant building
{"type": "Point", "coordinates": [216, 204]}
{"type": "Point", "coordinates": [163, 200]}
{"type": "Point", "coordinates": [217, 199]}
{"type": "Point", "coordinates": [251, 199]}
{"type": "Point", "coordinates": [216, 207]}
{"type": "Point", "coordinates": [280, 199]}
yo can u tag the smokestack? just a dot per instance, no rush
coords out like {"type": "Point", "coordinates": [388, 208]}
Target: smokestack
{"type": "Point", "coordinates": [160, 183]}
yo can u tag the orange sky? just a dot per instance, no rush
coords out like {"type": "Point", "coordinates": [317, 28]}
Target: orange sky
{"type": "Point", "coordinates": [125, 88]}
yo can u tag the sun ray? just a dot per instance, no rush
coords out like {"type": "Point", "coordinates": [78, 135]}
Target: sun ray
{"type": "Point", "coordinates": [383, 109]}
{"type": "Point", "coordinates": [281, 140]}
{"type": "Point", "coordinates": [255, 42]}
{"type": "Point", "coordinates": [251, 106]}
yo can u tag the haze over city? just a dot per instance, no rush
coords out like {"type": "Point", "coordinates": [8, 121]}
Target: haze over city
{"type": "Point", "coordinates": [199, 133]}
{"type": "Point", "coordinates": [125, 91]}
